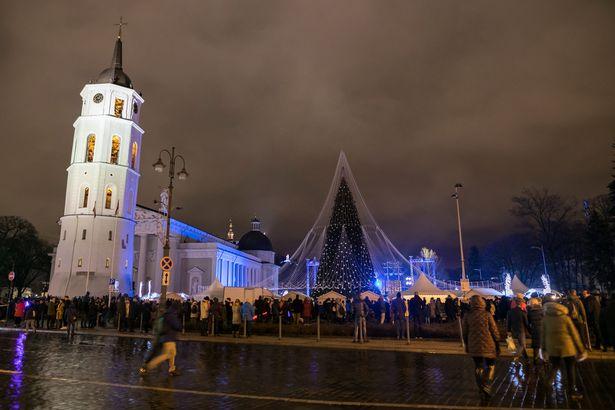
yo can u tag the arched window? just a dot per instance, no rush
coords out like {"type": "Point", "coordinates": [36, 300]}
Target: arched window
{"type": "Point", "coordinates": [108, 197]}
{"type": "Point", "coordinates": [133, 155]}
{"type": "Point", "coordinates": [115, 149]}
{"type": "Point", "coordinates": [89, 149]}
{"type": "Point", "coordinates": [110, 235]}
{"type": "Point", "coordinates": [86, 195]}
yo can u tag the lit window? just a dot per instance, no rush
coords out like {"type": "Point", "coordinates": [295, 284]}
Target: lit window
{"type": "Point", "coordinates": [84, 234]}
{"type": "Point", "coordinates": [86, 194]}
{"type": "Point", "coordinates": [107, 262]}
{"type": "Point", "coordinates": [119, 107]}
{"type": "Point", "coordinates": [89, 152]}
{"type": "Point", "coordinates": [133, 155]}
{"type": "Point", "coordinates": [80, 262]}
{"type": "Point", "coordinates": [108, 196]}
{"type": "Point", "coordinates": [110, 235]}
{"type": "Point", "coordinates": [115, 149]}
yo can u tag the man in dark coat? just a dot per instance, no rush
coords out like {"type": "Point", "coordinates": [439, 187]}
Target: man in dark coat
{"type": "Point", "coordinates": [398, 314]}
{"type": "Point", "coordinates": [534, 317]}
{"type": "Point", "coordinates": [297, 309]}
{"type": "Point", "coordinates": [592, 309]}
{"type": "Point", "coordinates": [518, 325]}
{"type": "Point", "coordinates": [415, 309]}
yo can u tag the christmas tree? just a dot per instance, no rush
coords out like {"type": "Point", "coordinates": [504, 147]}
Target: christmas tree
{"type": "Point", "coordinates": [345, 264]}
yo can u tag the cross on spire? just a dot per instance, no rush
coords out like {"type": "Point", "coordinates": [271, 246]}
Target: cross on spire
{"type": "Point", "coordinates": [120, 24]}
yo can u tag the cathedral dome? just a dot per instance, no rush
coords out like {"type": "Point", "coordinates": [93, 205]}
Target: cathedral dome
{"type": "Point", "coordinates": [255, 241]}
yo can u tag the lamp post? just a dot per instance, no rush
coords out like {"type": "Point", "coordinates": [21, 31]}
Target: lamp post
{"type": "Point", "coordinates": [159, 166]}
{"type": "Point", "coordinates": [456, 197]}
{"type": "Point", "coordinates": [544, 261]}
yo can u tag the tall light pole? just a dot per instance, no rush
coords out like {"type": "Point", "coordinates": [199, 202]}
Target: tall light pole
{"type": "Point", "coordinates": [456, 197]}
{"type": "Point", "coordinates": [544, 261]}
{"type": "Point", "coordinates": [159, 166]}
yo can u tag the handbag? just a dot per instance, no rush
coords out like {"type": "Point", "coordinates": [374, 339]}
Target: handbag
{"type": "Point", "coordinates": [510, 344]}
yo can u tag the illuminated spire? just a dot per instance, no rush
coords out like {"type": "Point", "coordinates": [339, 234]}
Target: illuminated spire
{"type": "Point", "coordinates": [230, 235]}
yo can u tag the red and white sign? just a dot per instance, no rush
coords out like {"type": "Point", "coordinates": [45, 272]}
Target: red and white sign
{"type": "Point", "coordinates": [11, 276]}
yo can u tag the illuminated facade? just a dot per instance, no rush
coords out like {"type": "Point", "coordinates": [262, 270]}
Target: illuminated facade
{"type": "Point", "coordinates": [97, 228]}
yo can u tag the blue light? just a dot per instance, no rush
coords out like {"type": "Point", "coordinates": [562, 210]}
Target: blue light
{"type": "Point", "coordinates": [378, 284]}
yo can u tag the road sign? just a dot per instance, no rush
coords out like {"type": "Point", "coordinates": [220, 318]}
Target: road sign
{"type": "Point", "coordinates": [111, 282]}
{"type": "Point", "coordinates": [166, 278]}
{"type": "Point", "coordinates": [166, 263]}
{"type": "Point", "coordinates": [11, 276]}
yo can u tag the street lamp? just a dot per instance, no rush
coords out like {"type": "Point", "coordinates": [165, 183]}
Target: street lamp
{"type": "Point", "coordinates": [159, 166]}
{"type": "Point", "coordinates": [456, 197]}
{"type": "Point", "coordinates": [544, 261]}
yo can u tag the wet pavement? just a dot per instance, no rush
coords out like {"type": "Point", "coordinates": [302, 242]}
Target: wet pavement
{"type": "Point", "coordinates": [45, 371]}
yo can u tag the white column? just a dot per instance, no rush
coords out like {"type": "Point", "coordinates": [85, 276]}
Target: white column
{"type": "Point", "coordinates": [142, 260]}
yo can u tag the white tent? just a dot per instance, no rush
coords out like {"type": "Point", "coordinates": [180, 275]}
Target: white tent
{"type": "Point", "coordinates": [517, 286]}
{"type": "Point", "coordinates": [487, 293]}
{"type": "Point", "coordinates": [426, 289]}
{"type": "Point", "coordinates": [372, 296]}
{"type": "Point", "coordinates": [215, 290]}
{"type": "Point", "coordinates": [292, 294]}
{"type": "Point", "coordinates": [331, 295]}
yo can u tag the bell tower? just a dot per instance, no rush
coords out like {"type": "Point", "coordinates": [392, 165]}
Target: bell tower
{"type": "Point", "coordinates": [95, 249]}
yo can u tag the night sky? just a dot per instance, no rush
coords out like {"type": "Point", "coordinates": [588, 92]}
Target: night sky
{"type": "Point", "coordinates": [260, 97]}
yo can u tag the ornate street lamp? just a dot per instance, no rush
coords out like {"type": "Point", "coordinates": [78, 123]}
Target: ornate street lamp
{"type": "Point", "coordinates": [159, 166]}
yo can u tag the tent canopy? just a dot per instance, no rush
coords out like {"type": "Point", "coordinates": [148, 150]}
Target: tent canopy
{"type": "Point", "coordinates": [372, 296]}
{"type": "Point", "coordinates": [331, 295]}
{"type": "Point", "coordinates": [487, 293]}
{"type": "Point", "coordinates": [292, 294]}
{"type": "Point", "coordinates": [423, 286]}
{"type": "Point", "coordinates": [517, 286]}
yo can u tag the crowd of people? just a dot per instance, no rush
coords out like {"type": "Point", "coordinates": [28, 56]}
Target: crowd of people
{"type": "Point", "coordinates": [561, 330]}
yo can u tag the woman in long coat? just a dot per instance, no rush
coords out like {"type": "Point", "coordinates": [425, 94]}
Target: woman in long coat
{"type": "Point", "coordinates": [562, 343]}
{"type": "Point", "coordinates": [534, 317]}
{"type": "Point", "coordinates": [480, 334]}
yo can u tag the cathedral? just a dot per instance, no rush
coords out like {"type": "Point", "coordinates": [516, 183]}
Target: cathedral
{"type": "Point", "coordinates": [108, 243]}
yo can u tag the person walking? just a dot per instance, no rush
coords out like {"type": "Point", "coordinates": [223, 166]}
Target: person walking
{"type": "Point", "coordinates": [398, 314]}
{"type": "Point", "coordinates": [165, 346]}
{"type": "Point", "coordinates": [51, 313]}
{"type": "Point", "coordinates": [517, 325]}
{"type": "Point", "coordinates": [534, 317]}
{"type": "Point", "coordinates": [591, 303]}
{"type": "Point", "coordinates": [204, 316]}
{"type": "Point", "coordinates": [480, 334]}
{"type": "Point", "coordinates": [236, 321]}
{"type": "Point", "coordinates": [562, 344]}
{"type": "Point", "coordinates": [577, 313]}
{"type": "Point", "coordinates": [380, 308]}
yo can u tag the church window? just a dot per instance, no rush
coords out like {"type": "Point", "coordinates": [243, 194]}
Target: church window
{"type": "Point", "coordinates": [126, 263]}
{"type": "Point", "coordinates": [86, 194]}
{"type": "Point", "coordinates": [79, 262]}
{"type": "Point", "coordinates": [107, 262]}
{"type": "Point", "coordinates": [91, 144]}
{"type": "Point", "coordinates": [110, 235]}
{"type": "Point", "coordinates": [115, 149]}
{"type": "Point", "coordinates": [123, 244]}
{"type": "Point", "coordinates": [108, 196]}
{"type": "Point", "coordinates": [84, 234]}
{"type": "Point", "coordinates": [119, 107]}
{"type": "Point", "coordinates": [64, 235]}
{"type": "Point", "coordinates": [59, 262]}
{"type": "Point", "coordinates": [133, 155]}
